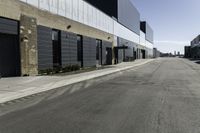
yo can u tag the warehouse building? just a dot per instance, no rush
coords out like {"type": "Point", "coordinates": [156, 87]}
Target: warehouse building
{"type": "Point", "coordinates": [195, 48]}
{"type": "Point", "coordinates": [156, 53]}
{"type": "Point", "coordinates": [188, 52]}
{"type": "Point", "coordinates": [193, 51]}
{"type": "Point", "coordinates": [37, 35]}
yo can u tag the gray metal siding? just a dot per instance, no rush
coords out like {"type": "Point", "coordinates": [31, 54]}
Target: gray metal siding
{"type": "Point", "coordinates": [128, 52]}
{"type": "Point", "coordinates": [105, 45]}
{"type": "Point", "coordinates": [145, 27]}
{"type": "Point", "coordinates": [89, 52]}
{"type": "Point", "coordinates": [45, 50]}
{"type": "Point", "coordinates": [69, 49]}
{"type": "Point", "coordinates": [8, 26]}
{"type": "Point", "coordinates": [149, 33]}
{"type": "Point", "coordinates": [195, 41]}
{"type": "Point", "coordinates": [128, 15]}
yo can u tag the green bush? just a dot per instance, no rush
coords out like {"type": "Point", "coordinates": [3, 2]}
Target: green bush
{"type": "Point", "coordinates": [46, 71]}
{"type": "Point", "coordinates": [65, 69]}
{"type": "Point", "coordinates": [71, 68]}
{"type": "Point", "coordinates": [57, 70]}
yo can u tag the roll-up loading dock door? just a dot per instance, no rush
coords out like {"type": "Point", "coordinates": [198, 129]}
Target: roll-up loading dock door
{"type": "Point", "coordinates": [9, 48]}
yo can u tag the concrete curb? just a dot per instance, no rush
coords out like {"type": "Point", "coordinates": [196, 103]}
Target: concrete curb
{"type": "Point", "coordinates": [53, 85]}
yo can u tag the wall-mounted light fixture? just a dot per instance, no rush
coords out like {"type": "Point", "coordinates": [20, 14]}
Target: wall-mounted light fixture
{"type": "Point", "coordinates": [108, 38]}
{"type": "Point", "coordinates": [69, 27]}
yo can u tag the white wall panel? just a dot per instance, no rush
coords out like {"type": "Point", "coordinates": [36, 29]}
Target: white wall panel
{"type": "Point", "coordinates": [94, 17]}
{"type": "Point", "coordinates": [33, 2]}
{"type": "Point", "coordinates": [23, 0]}
{"type": "Point", "coordinates": [123, 32]}
{"type": "Point", "coordinates": [149, 45]}
{"type": "Point", "coordinates": [97, 19]}
{"type": "Point", "coordinates": [54, 6]}
{"type": "Point", "coordinates": [81, 11]}
{"type": "Point", "coordinates": [90, 15]}
{"type": "Point", "coordinates": [142, 38]}
{"type": "Point", "coordinates": [62, 7]}
{"type": "Point", "coordinates": [75, 10]}
{"type": "Point", "coordinates": [44, 4]}
{"type": "Point", "coordinates": [85, 5]}
{"type": "Point", "coordinates": [68, 8]}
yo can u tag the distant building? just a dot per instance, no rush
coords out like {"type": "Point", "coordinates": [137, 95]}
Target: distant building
{"type": "Point", "coordinates": [174, 53]}
{"type": "Point", "coordinates": [156, 53]}
{"type": "Point", "coordinates": [193, 51]}
{"type": "Point", "coordinates": [166, 55]}
{"type": "Point", "coordinates": [187, 52]}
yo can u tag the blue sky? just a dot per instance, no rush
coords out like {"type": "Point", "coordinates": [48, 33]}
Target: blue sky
{"type": "Point", "coordinates": [175, 22]}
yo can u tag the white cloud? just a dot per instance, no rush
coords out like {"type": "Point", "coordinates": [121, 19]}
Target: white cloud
{"type": "Point", "coordinates": [169, 42]}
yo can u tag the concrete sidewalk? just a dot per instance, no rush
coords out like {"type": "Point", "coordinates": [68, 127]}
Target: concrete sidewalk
{"type": "Point", "coordinates": [15, 88]}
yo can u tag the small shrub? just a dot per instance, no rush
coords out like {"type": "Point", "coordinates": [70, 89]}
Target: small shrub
{"type": "Point", "coordinates": [57, 70]}
{"type": "Point", "coordinates": [46, 71]}
{"type": "Point", "coordinates": [71, 68]}
{"type": "Point", "coordinates": [66, 69]}
{"type": "Point", "coordinates": [76, 67]}
{"type": "Point", "coordinates": [49, 71]}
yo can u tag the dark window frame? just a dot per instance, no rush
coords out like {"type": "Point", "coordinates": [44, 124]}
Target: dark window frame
{"type": "Point", "coordinates": [79, 48]}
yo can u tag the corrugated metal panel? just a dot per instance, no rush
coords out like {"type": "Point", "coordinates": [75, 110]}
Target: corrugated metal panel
{"type": "Point", "coordinates": [8, 26]}
{"type": "Point", "coordinates": [149, 33]}
{"type": "Point", "coordinates": [89, 52]}
{"type": "Point", "coordinates": [145, 27]}
{"type": "Point", "coordinates": [128, 15]}
{"type": "Point", "coordinates": [69, 49]}
{"type": "Point", "coordinates": [45, 50]}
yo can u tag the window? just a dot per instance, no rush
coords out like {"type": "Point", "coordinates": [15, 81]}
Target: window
{"type": "Point", "coordinates": [56, 48]}
{"type": "Point", "coordinates": [54, 35]}
{"type": "Point", "coordinates": [79, 48]}
{"type": "Point", "coordinates": [98, 49]}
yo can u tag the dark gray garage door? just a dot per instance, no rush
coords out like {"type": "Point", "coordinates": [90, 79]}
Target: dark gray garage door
{"type": "Point", "coordinates": [9, 48]}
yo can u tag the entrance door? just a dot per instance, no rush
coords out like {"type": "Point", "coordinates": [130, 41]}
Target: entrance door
{"type": "Point", "coordinates": [109, 56]}
{"type": "Point", "coordinates": [9, 55]}
{"type": "Point", "coordinates": [56, 48]}
{"type": "Point", "coordinates": [143, 54]}
{"type": "Point", "coordinates": [99, 52]}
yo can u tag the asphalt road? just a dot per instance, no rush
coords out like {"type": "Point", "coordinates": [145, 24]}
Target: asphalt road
{"type": "Point", "coordinates": [160, 97]}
